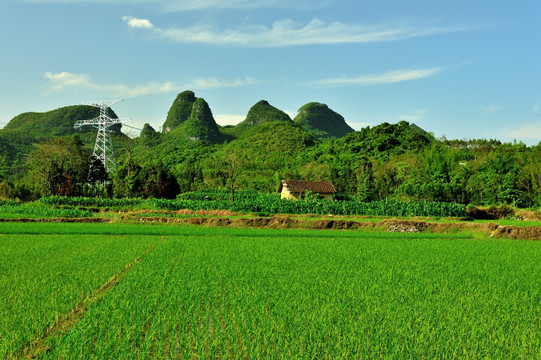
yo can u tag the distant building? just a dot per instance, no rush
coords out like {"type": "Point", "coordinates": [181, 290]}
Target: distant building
{"type": "Point", "coordinates": [296, 189]}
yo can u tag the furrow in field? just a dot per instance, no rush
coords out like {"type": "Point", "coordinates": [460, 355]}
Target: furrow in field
{"type": "Point", "coordinates": [298, 294]}
{"type": "Point", "coordinates": [44, 276]}
{"type": "Point", "coordinates": [65, 322]}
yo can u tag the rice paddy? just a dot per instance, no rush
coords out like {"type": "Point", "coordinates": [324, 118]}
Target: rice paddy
{"type": "Point", "coordinates": [158, 291]}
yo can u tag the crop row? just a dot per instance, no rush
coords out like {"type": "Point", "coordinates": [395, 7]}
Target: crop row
{"type": "Point", "coordinates": [33, 210]}
{"type": "Point", "coordinates": [270, 204]}
{"type": "Point", "coordinates": [274, 296]}
{"type": "Point", "coordinates": [43, 277]}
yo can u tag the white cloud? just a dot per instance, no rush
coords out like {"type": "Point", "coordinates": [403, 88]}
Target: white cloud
{"type": "Point", "coordinates": [137, 23]}
{"type": "Point", "coordinates": [139, 90]}
{"type": "Point", "coordinates": [228, 119]}
{"type": "Point", "coordinates": [65, 80]}
{"type": "Point", "coordinates": [377, 79]}
{"type": "Point", "coordinates": [531, 131]}
{"type": "Point", "coordinates": [490, 109]}
{"type": "Point", "coordinates": [213, 83]}
{"type": "Point", "coordinates": [184, 5]}
{"type": "Point", "coordinates": [287, 32]}
{"type": "Point", "coordinates": [187, 5]}
{"type": "Point", "coordinates": [416, 116]}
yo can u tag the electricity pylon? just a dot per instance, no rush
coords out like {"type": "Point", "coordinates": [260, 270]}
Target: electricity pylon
{"type": "Point", "coordinates": [103, 149]}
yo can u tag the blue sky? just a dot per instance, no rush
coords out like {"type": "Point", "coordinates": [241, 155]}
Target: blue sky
{"type": "Point", "coordinates": [460, 69]}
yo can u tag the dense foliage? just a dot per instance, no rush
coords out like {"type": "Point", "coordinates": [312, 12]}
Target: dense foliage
{"type": "Point", "coordinates": [252, 202]}
{"type": "Point", "coordinates": [200, 125]}
{"type": "Point", "coordinates": [381, 163]}
{"type": "Point", "coordinates": [321, 122]}
{"type": "Point", "coordinates": [261, 113]}
{"type": "Point", "coordinates": [180, 110]}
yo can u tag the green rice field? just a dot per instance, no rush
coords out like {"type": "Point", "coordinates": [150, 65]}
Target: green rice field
{"type": "Point", "coordinates": [121, 291]}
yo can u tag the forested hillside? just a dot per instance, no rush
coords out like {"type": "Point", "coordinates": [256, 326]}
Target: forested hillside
{"type": "Point", "coordinates": [321, 122]}
{"type": "Point", "coordinates": [384, 162]}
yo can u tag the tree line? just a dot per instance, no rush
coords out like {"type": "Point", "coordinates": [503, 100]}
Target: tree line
{"type": "Point", "coordinates": [385, 162]}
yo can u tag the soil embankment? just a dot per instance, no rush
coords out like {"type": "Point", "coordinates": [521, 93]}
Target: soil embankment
{"type": "Point", "coordinates": [292, 222]}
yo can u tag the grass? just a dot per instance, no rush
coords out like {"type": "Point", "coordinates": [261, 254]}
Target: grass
{"type": "Point", "coordinates": [259, 293]}
{"type": "Point", "coordinates": [44, 276]}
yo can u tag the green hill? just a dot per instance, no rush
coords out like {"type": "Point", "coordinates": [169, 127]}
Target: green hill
{"type": "Point", "coordinates": [322, 122]}
{"type": "Point", "coordinates": [18, 137]}
{"type": "Point", "coordinates": [200, 125]}
{"type": "Point", "coordinates": [263, 151]}
{"type": "Point", "coordinates": [380, 142]}
{"type": "Point", "coordinates": [53, 123]}
{"type": "Point", "coordinates": [190, 118]}
{"type": "Point", "coordinates": [180, 110]}
{"type": "Point", "coordinates": [261, 112]}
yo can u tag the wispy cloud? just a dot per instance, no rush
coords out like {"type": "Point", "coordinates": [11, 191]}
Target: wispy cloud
{"type": "Point", "coordinates": [287, 32]}
{"type": "Point", "coordinates": [377, 79]}
{"type": "Point", "coordinates": [190, 5]}
{"type": "Point", "coordinates": [64, 81]}
{"type": "Point", "coordinates": [530, 131]}
{"type": "Point", "coordinates": [415, 116]}
{"type": "Point", "coordinates": [490, 109]}
{"type": "Point", "coordinates": [213, 83]}
{"type": "Point", "coordinates": [185, 5]}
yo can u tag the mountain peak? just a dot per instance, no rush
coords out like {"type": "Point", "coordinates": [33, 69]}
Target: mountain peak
{"type": "Point", "coordinates": [261, 112]}
{"type": "Point", "coordinates": [180, 111]}
{"type": "Point", "coordinates": [322, 122]}
{"type": "Point", "coordinates": [200, 125]}
{"type": "Point", "coordinates": [262, 102]}
{"type": "Point", "coordinates": [187, 96]}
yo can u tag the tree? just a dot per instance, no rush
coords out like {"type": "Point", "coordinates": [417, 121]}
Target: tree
{"type": "Point", "coordinates": [59, 166]}
{"type": "Point", "coordinates": [127, 180]}
{"type": "Point", "coordinates": [365, 180]}
{"type": "Point", "coordinates": [230, 168]}
{"type": "Point", "coordinates": [158, 182]}
{"type": "Point", "coordinates": [231, 173]}
{"type": "Point", "coordinates": [97, 175]}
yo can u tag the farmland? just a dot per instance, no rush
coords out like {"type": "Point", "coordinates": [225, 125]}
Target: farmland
{"type": "Point", "coordinates": [162, 291]}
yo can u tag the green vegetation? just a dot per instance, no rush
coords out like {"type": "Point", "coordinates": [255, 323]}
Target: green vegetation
{"type": "Point", "coordinates": [60, 166]}
{"type": "Point", "coordinates": [261, 113]}
{"type": "Point", "coordinates": [44, 277]}
{"type": "Point", "coordinates": [321, 122]}
{"type": "Point", "coordinates": [53, 123]}
{"type": "Point", "coordinates": [18, 210]}
{"type": "Point", "coordinates": [387, 162]}
{"type": "Point", "coordinates": [180, 110]}
{"type": "Point", "coordinates": [200, 125]}
{"type": "Point", "coordinates": [204, 292]}
{"type": "Point", "coordinates": [249, 202]}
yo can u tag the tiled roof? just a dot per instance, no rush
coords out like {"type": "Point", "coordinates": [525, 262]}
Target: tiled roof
{"type": "Point", "coordinates": [300, 186]}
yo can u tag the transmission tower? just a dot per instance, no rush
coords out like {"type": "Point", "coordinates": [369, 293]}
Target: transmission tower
{"type": "Point", "coordinates": [103, 149]}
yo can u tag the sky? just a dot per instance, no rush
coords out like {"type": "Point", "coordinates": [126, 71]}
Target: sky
{"type": "Point", "coordinates": [461, 69]}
